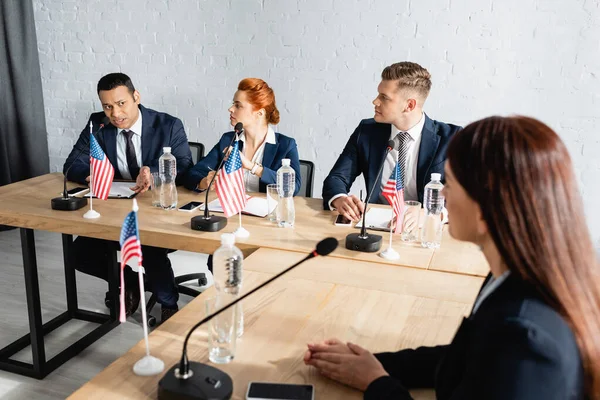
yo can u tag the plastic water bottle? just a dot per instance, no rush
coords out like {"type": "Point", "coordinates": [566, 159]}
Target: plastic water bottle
{"type": "Point", "coordinates": [433, 202]}
{"type": "Point", "coordinates": [227, 272]}
{"type": "Point", "coordinates": [167, 168]}
{"type": "Point", "coordinates": [286, 184]}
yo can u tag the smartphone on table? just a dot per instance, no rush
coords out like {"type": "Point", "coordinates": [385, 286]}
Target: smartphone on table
{"type": "Point", "coordinates": [191, 206]}
{"type": "Point", "coordinates": [340, 220]}
{"type": "Point", "coordinates": [77, 191]}
{"type": "Point", "coordinates": [279, 391]}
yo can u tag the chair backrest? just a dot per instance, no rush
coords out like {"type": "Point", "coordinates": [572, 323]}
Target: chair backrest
{"type": "Point", "coordinates": [307, 172]}
{"type": "Point", "coordinates": [197, 151]}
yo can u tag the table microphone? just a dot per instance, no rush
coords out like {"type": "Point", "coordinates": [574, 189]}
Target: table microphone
{"type": "Point", "coordinates": [197, 381]}
{"type": "Point", "coordinates": [66, 203]}
{"type": "Point", "coordinates": [363, 241]}
{"type": "Point", "coordinates": [207, 222]}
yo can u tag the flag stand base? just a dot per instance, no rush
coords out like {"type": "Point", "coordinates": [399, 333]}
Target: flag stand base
{"type": "Point", "coordinates": [213, 223]}
{"type": "Point", "coordinates": [91, 214]}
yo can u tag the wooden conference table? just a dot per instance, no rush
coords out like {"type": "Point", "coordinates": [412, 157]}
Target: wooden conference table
{"type": "Point", "coordinates": [26, 205]}
{"type": "Point", "coordinates": [378, 306]}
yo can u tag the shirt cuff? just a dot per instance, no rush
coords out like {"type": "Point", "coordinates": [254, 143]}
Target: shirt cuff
{"type": "Point", "coordinates": [335, 197]}
{"type": "Point", "coordinates": [444, 216]}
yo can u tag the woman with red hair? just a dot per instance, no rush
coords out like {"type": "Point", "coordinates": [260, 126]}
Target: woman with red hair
{"type": "Point", "coordinates": [262, 149]}
{"type": "Point", "coordinates": [534, 331]}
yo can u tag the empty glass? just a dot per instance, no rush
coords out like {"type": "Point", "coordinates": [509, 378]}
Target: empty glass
{"type": "Point", "coordinates": [272, 200]}
{"type": "Point", "coordinates": [156, 182]}
{"type": "Point", "coordinates": [410, 223]}
{"type": "Point", "coordinates": [221, 331]}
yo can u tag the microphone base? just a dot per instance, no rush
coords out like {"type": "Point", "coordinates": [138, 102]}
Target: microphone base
{"type": "Point", "coordinates": [213, 223]}
{"type": "Point", "coordinates": [367, 244]}
{"type": "Point", "coordinates": [206, 383]}
{"type": "Point", "coordinates": [70, 204]}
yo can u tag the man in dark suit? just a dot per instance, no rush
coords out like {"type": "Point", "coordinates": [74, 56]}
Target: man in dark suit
{"type": "Point", "coordinates": [133, 138]}
{"type": "Point", "coordinates": [398, 113]}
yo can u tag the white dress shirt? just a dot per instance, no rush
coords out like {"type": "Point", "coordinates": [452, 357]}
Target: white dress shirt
{"type": "Point", "coordinates": [251, 181]}
{"type": "Point", "coordinates": [136, 138]}
{"type": "Point", "coordinates": [412, 158]}
{"type": "Point", "coordinates": [489, 287]}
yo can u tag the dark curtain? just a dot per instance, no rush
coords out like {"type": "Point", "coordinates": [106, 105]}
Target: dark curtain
{"type": "Point", "coordinates": [23, 137]}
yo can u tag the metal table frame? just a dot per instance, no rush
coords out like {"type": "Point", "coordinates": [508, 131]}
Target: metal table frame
{"type": "Point", "coordinates": [41, 367]}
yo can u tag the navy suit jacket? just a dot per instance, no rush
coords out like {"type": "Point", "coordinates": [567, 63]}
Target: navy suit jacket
{"type": "Point", "coordinates": [284, 147]}
{"type": "Point", "coordinates": [158, 130]}
{"type": "Point", "coordinates": [514, 347]}
{"type": "Point", "coordinates": [365, 150]}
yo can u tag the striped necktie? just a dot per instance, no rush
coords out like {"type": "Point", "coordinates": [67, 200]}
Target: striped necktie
{"type": "Point", "coordinates": [405, 139]}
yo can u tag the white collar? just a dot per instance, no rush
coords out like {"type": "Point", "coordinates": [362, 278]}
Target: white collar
{"type": "Point", "coordinates": [137, 127]}
{"type": "Point", "coordinates": [414, 132]}
{"type": "Point", "coordinates": [269, 139]}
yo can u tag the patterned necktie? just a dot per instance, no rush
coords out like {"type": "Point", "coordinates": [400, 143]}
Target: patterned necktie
{"type": "Point", "coordinates": [132, 163]}
{"type": "Point", "coordinates": [405, 139]}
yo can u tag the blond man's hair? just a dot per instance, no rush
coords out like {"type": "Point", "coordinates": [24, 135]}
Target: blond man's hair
{"type": "Point", "coordinates": [410, 76]}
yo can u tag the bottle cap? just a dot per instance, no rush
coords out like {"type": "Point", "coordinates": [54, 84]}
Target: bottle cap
{"type": "Point", "coordinates": [436, 177]}
{"type": "Point", "coordinates": [166, 149]}
{"type": "Point", "coordinates": [228, 239]}
{"type": "Point", "coordinates": [285, 162]}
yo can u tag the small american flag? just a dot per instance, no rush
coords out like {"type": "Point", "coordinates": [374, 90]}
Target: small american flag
{"type": "Point", "coordinates": [230, 187]}
{"type": "Point", "coordinates": [130, 248]}
{"type": "Point", "coordinates": [102, 170]}
{"type": "Point", "coordinates": [393, 191]}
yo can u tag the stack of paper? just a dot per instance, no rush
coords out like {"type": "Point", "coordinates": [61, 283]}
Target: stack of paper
{"type": "Point", "coordinates": [377, 219]}
{"type": "Point", "coordinates": [119, 190]}
{"type": "Point", "coordinates": [256, 206]}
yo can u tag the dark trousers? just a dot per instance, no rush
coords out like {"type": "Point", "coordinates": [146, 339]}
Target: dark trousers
{"type": "Point", "coordinates": [93, 257]}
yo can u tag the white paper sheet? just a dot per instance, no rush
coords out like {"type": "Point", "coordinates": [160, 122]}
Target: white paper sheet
{"type": "Point", "coordinates": [256, 206]}
{"type": "Point", "coordinates": [377, 219]}
{"type": "Point", "coordinates": [119, 190]}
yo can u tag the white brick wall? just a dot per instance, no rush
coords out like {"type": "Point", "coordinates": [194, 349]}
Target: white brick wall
{"type": "Point", "coordinates": [323, 58]}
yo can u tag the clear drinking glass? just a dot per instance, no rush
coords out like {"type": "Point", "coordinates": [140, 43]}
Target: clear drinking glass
{"type": "Point", "coordinates": [156, 182]}
{"type": "Point", "coordinates": [222, 333]}
{"type": "Point", "coordinates": [410, 223]}
{"type": "Point", "coordinates": [272, 200]}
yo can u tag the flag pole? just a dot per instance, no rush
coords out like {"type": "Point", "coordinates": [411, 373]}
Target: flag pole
{"type": "Point", "coordinates": [241, 232]}
{"type": "Point", "coordinates": [147, 365]}
{"type": "Point", "coordinates": [91, 214]}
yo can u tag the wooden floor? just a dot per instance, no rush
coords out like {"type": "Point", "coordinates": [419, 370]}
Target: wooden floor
{"type": "Point", "coordinates": [13, 316]}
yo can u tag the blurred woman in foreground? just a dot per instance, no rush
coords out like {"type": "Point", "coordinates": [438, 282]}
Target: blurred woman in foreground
{"type": "Point", "coordinates": [534, 331]}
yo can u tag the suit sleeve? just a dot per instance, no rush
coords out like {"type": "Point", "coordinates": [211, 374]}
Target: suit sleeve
{"type": "Point", "coordinates": [514, 361]}
{"type": "Point", "coordinates": [344, 172]}
{"type": "Point", "coordinates": [180, 148]}
{"type": "Point", "coordinates": [269, 175]}
{"type": "Point", "coordinates": [80, 165]}
{"type": "Point", "coordinates": [199, 171]}
{"type": "Point", "coordinates": [386, 388]}
{"type": "Point", "coordinates": [414, 368]}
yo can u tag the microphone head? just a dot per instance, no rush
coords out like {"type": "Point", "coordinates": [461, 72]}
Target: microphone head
{"type": "Point", "coordinates": [105, 121]}
{"type": "Point", "coordinates": [239, 127]}
{"type": "Point", "coordinates": [394, 144]}
{"type": "Point", "coordinates": [326, 246]}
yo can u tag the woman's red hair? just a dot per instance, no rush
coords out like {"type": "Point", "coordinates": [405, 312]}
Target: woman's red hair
{"type": "Point", "coordinates": [260, 95]}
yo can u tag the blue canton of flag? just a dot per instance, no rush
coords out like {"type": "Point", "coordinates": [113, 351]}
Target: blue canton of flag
{"type": "Point", "coordinates": [230, 187]}
{"type": "Point", "coordinates": [393, 191]}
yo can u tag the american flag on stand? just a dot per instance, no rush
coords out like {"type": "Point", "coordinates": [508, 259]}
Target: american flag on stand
{"type": "Point", "coordinates": [130, 248]}
{"type": "Point", "coordinates": [230, 187]}
{"type": "Point", "coordinates": [393, 191]}
{"type": "Point", "coordinates": [102, 170]}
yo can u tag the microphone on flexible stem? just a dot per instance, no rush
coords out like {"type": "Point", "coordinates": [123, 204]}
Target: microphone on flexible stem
{"type": "Point", "coordinates": [207, 222]}
{"type": "Point", "coordinates": [66, 203]}
{"type": "Point", "coordinates": [369, 243]}
{"type": "Point", "coordinates": [192, 380]}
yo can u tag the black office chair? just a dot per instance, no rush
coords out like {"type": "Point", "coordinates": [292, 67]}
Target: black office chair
{"type": "Point", "coordinates": [197, 151]}
{"type": "Point", "coordinates": [307, 172]}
